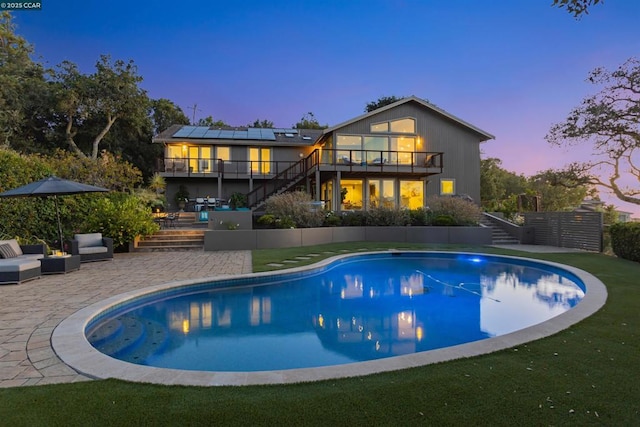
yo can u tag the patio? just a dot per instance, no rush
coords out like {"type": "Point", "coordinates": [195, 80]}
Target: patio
{"type": "Point", "coordinates": [30, 311]}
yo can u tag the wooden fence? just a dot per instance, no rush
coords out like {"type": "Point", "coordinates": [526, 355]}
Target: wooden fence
{"type": "Point", "coordinates": [580, 230]}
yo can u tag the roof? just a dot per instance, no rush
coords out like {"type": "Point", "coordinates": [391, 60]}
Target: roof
{"type": "Point", "coordinates": [483, 134]}
{"type": "Point", "coordinates": [206, 134]}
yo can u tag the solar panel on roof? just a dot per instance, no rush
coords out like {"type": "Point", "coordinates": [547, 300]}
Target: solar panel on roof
{"type": "Point", "coordinates": [212, 134]}
{"type": "Point", "coordinates": [240, 134]}
{"type": "Point", "coordinates": [183, 132]}
{"type": "Point", "coordinates": [227, 134]}
{"type": "Point", "coordinates": [267, 134]}
{"type": "Point", "coordinates": [199, 132]}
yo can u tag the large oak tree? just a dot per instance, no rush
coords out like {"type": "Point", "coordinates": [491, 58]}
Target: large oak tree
{"type": "Point", "coordinates": [609, 124]}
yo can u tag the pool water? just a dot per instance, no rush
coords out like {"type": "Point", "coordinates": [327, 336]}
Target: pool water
{"type": "Point", "coordinates": [360, 308]}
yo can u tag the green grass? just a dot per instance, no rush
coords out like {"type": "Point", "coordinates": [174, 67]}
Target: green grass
{"type": "Point", "coordinates": [586, 375]}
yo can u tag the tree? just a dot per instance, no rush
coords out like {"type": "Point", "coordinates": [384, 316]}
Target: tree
{"type": "Point", "coordinates": [21, 87]}
{"type": "Point", "coordinates": [109, 94]}
{"type": "Point", "coordinates": [208, 121]}
{"type": "Point", "coordinates": [610, 122]}
{"type": "Point", "coordinates": [309, 121]}
{"type": "Point", "coordinates": [558, 191]}
{"type": "Point", "coordinates": [257, 123]}
{"type": "Point", "coordinates": [576, 7]}
{"type": "Point", "coordinates": [499, 187]}
{"type": "Point", "coordinates": [165, 113]}
{"type": "Point", "coordinates": [381, 102]}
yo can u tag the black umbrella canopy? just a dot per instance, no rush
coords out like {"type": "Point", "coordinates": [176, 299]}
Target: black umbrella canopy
{"type": "Point", "coordinates": [53, 186]}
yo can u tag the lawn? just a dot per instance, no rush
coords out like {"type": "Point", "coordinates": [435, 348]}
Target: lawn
{"type": "Point", "coordinates": [586, 375]}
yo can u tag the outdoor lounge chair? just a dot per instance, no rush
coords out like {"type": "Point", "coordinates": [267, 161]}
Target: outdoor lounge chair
{"type": "Point", "coordinates": [19, 263]}
{"type": "Point", "coordinates": [92, 247]}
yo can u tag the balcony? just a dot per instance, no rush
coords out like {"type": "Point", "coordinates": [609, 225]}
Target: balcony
{"type": "Point", "coordinates": [324, 160]}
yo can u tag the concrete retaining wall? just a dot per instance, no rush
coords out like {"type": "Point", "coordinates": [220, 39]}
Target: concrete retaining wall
{"type": "Point", "coordinates": [220, 240]}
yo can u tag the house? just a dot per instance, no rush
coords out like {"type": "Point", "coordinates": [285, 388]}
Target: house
{"type": "Point", "coordinates": [394, 156]}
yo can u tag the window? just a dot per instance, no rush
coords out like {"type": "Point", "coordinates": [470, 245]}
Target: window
{"type": "Point", "coordinates": [403, 126]}
{"type": "Point", "coordinates": [377, 147]}
{"type": "Point", "coordinates": [382, 193]}
{"type": "Point", "coordinates": [260, 160]}
{"type": "Point", "coordinates": [405, 147]}
{"type": "Point", "coordinates": [380, 127]}
{"type": "Point", "coordinates": [223, 153]}
{"type": "Point", "coordinates": [349, 149]}
{"type": "Point", "coordinates": [351, 194]}
{"type": "Point", "coordinates": [411, 194]}
{"type": "Point", "coordinates": [395, 126]}
{"type": "Point", "coordinates": [447, 186]}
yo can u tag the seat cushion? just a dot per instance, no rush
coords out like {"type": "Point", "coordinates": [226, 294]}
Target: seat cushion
{"type": "Point", "coordinates": [88, 240]}
{"type": "Point", "coordinates": [13, 244]}
{"type": "Point", "coordinates": [18, 264]}
{"type": "Point", "coordinates": [93, 250]}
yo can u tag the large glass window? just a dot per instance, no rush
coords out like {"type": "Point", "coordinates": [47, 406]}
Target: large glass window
{"type": "Point", "coordinates": [403, 148]}
{"type": "Point", "coordinates": [377, 149]}
{"type": "Point", "coordinates": [260, 160]}
{"type": "Point", "coordinates": [351, 194]}
{"type": "Point", "coordinates": [403, 126]}
{"type": "Point", "coordinates": [382, 193]}
{"type": "Point", "coordinates": [177, 157]}
{"type": "Point", "coordinates": [411, 194]}
{"type": "Point", "coordinates": [349, 149]}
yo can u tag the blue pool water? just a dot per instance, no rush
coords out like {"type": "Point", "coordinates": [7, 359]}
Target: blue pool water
{"type": "Point", "coordinates": [360, 308]}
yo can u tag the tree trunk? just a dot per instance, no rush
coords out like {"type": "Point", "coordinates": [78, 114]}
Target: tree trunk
{"type": "Point", "coordinates": [69, 134]}
{"type": "Point", "coordinates": [96, 142]}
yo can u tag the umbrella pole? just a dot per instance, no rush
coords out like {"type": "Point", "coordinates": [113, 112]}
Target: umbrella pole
{"type": "Point", "coordinates": [55, 199]}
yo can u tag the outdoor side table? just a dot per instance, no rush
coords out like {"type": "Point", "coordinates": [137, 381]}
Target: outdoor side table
{"type": "Point", "coordinates": [60, 264]}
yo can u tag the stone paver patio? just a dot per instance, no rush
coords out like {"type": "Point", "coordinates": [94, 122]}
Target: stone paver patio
{"type": "Point", "coordinates": [29, 312]}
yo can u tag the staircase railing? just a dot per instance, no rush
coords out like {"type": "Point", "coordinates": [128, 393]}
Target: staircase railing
{"type": "Point", "coordinates": [284, 180]}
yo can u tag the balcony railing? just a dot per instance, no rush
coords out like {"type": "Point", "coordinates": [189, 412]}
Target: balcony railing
{"type": "Point", "coordinates": [326, 159]}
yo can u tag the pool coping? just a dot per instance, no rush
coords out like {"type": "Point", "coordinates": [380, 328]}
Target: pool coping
{"type": "Point", "coordinates": [71, 346]}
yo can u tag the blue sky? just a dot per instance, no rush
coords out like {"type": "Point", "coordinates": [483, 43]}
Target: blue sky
{"type": "Point", "coordinates": [510, 67]}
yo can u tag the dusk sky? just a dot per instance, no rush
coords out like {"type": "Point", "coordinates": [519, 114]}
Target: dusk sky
{"type": "Point", "coordinates": [509, 67]}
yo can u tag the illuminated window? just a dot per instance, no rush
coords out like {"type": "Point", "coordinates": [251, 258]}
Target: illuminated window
{"type": "Point", "coordinates": [351, 194]}
{"type": "Point", "coordinates": [447, 186]}
{"type": "Point", "coordinates": [382, 193]}
{"type": "Point", "coordinates": [380, 127]}
{"type": "Point", "coordinates": [411, 194]}
{"type": "Point", "coordinates": [260, 160]}
{"type": "Point", "coordinates": [403, 148]}
{"type": "Point", "coordinates": [403, 126]}
{"type": "Point", "coordinates": [223, 153]}
{"type": "Point", "coordinates": [349, 149]}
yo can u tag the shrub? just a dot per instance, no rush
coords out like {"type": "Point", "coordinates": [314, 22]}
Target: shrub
{"type": "Point", "coordinates": [353, 219]}
{"type": "Point", "coordinates": [443, 221]}
{"type": "Point", "coordinates": [462, 212]}
{"type": "Point", "coordinates": [382, 216]}
{"type": "Point", "coordinates": [625, 240]}
{"type": "Point", "coordinates": [332, 220]}
{"type": "Point", "coordinates": [418, 217]}
{"type": "Point", "coordinates": [294, 208]}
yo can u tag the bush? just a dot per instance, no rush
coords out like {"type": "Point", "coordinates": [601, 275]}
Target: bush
{"type": "Point", "coordinates": [294, 208]}
{"type": "Point", "coordinates": [332, 220]}
{"type": "Point", "coordinates": [443, 221]}
{"type": "Point", "coordinates": [418, 217]}
{"type": "Point", "coordinates": [625, 240]}
{"type": "Point", "coordinates": [382, 216]}
{"type": "Point", "coordinates": [119, 216]}
{"type": "Point", "coordinates": [461, 211]}
{"type": "Point", "coordinates": [353, 219]}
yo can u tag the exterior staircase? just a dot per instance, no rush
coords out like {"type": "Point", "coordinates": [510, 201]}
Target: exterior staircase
{"type": "Point", "coordinates": [498, 235]}
{"type": "Point", "coordinates": [185, 234]}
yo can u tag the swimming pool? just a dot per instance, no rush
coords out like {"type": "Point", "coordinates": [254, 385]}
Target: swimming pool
{"type": "Point", "coordinates": [388, 309]}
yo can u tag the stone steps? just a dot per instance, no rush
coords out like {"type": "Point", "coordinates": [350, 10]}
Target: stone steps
{"type": "Point", "coordinates": [498, 235]}
{"type": "Point", "coordinates": [171, 240]}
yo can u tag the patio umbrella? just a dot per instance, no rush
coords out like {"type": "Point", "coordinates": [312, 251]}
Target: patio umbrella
{"type": "Point", "coordinates": [52, 186]}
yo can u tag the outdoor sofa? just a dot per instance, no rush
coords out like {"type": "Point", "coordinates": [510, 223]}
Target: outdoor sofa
{"type": "Point", "coordinates": [92, 247]}
{"type": "Point", "coordinates": [19, 263]}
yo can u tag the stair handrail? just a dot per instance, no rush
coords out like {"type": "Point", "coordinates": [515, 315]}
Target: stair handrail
{"type": "Point", "coordinates": [287, 177]}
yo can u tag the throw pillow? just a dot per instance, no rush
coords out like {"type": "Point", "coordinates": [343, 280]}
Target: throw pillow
{"type": "Point", "coordinates": [6, 251]}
